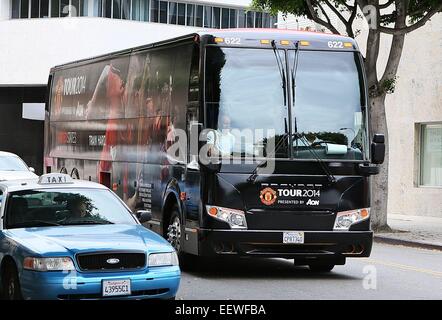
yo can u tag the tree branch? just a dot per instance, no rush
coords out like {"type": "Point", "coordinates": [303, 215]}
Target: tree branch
{"type": "Point", "coordinates": [316, 19]}
{"type": "Point", "coordinates": [336, 12]}
{"type": "Point", "coordinates": [407, 29]}
{"type": "Point", "coordinates": [351, 20]}
{"type": "Point", "coordinates": [324, 13]}
{"type": "Point", "coordinates": [347, 23]}
{"type": "Point", "coordinates": [386, 5]}
{"type": "Point", "coordinates": [397, 46]}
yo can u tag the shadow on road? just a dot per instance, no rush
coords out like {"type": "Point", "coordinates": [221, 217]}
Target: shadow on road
{"type": "Point", "coordinates": [252, 268]}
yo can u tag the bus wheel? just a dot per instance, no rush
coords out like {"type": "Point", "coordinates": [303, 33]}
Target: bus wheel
{"type": "Point", "coordinates": [174, 232]}
{"type": "Point", "coordinates": [321, 267]}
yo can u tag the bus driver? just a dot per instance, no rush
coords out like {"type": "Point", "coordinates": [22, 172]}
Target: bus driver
{"type": "Point", "coordinates": [221, 142]}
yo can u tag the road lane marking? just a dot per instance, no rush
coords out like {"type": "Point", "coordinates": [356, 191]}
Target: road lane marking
{"type": "Point", "coordinates": [405, 267]}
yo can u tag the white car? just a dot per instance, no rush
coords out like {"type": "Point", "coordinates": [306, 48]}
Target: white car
{"type": "Point", "coordinates": [12, 167]}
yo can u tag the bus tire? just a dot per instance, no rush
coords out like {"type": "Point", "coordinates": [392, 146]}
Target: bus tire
{"type": "Point", "coordinates": [321, 267]}
{"type": "Point", "coordinates": [175, 235]}
{"type": "Point", "coordinates": [174, 231]}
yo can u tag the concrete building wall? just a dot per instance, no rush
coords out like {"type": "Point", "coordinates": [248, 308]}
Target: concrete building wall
{"type": "Point", "coordinates": [32, 46]}
{"type": "Point", "coordinates": [417, 99]}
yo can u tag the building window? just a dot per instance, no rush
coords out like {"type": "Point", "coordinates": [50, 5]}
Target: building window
{"type": "Point", "coordinates": [258, 19]}
{"type": "Point", "coordinates": [140, 10]}
{"type": "Point", "coordinates": [15, 9]}
{"type": "Point", "coordinates": [107, 8]}
{"type": "Point", "coordinates": [163, 11]}
{"type": "Point", "coordinates": [55, 8]}
{"type": "Point", "coordinates": [199, 16]}
{"type": "Point", "coordinates": [170, 12]}
{"type": "Point", "coordinates": [116, 10]}
{"type": "Point", "coordinates": [207, 17]}
{"type": "Point", "coordinates": [154, 4]}
{"type": "Point", "coordinates": [181, 14]}
{"type": "Point", "coordinates": [265, 20]}
{"type": "Point", "coordinates": [216, 18]}
{"type": "Point", "coordinates": [35, 8]}
{"type": "Point", "coordinates": [125, 9]}
{"type": "Point", "coordinates": [24, 9]}
{"type": "Point", "coordinates": [273, 21]}
{"type": "Point", "coordinates": [241, 18]}
{"type": "Point", "coordinates": [233, 18]}
{"type": "Point", "coordinates": [224, 18]}
{"type": "Point", "coordinates": [250, 19]}
{"type": "Point", "coordinates": [431, 155]}
{"type": "Point", "coordinates": [44, 8]}
{"type": "Point", "coordinates": [84, 6]}
{"type": "Point", "coordinates": [190, 13]}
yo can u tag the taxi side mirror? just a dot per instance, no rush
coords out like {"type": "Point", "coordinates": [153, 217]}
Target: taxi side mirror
{"type": "Point", "coordinates": [378, 149]}
{"type": "Point", "coordinates": [143, 216]}
{"type": "Point", "coordinates": [32, 169]}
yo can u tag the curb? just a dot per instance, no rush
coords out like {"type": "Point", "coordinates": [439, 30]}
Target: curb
{"type": "Point", "coordinates": [407, 243]}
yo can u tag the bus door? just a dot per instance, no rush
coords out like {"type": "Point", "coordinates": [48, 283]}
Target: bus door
{"type": "Point", "coordinates": [192, 182]}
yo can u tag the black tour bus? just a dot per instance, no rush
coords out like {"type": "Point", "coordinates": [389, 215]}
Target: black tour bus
{"type": "Point", "coordinates": [235, 142]}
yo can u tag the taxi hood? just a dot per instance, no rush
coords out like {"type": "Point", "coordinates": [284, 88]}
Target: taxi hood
{"type": "Point", "coordinates": [62, 240]}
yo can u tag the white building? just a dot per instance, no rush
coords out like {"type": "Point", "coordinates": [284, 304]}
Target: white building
{"type": "Point", "coordinates": [36, 35]}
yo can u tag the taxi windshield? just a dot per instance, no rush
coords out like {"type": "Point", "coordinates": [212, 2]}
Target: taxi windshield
{"type": "Point", "coordinates": [62, 207]}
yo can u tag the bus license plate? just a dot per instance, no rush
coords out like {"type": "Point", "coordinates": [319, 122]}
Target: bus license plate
{"type": "Point", "coordinates": [293, 237]}
{"type": "Point", "coordinates": [116, 288]}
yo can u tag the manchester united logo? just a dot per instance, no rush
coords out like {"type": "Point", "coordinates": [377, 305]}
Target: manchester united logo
{"type": "Point", "coordinates": [268, 196]}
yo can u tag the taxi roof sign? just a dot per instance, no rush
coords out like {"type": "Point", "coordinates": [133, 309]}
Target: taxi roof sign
{"type": "Point", "coordinates": [55, 178]}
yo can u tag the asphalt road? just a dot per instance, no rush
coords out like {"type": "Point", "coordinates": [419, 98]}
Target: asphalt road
{"type": "Point", "coordinates": [392, 272]}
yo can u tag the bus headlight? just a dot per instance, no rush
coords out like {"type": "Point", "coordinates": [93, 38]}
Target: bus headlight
{"type": "Point", "coordinates": [48, 264]}
{"type": "Point", "coordinates": [163, 259]}
{"type": "Point", "coordinates": [235, 218]}
{"type": "Point", "coordinates": [345, 219]}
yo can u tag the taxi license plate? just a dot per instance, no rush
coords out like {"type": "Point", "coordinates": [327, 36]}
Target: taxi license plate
{"type": "Point", "coordinates": [293, 237]}
{"type": "Point", "coordinates": [116, 288]}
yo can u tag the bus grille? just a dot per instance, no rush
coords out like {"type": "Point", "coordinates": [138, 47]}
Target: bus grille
{"type": "Point", "coordinates": [111, 261]}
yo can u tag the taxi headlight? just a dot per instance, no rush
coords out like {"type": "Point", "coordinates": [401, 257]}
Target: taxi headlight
{"type": "Point", "coordinates": [48, 264]}
{"type": "Point", "coordinates": [345, 219]}
{"type": "Point", "coordinates": [235, 218]}
{"type": "Point", "coordinates": [163, 259]}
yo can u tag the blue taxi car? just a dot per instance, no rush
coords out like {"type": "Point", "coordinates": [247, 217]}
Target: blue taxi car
{"type": "Point", "coordinates": [70, 239]}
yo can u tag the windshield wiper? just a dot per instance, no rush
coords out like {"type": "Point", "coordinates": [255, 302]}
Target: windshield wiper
{"type": "Point", "coordinates": [254, 173]}
{"type": "Point", "coordinates": [281, 70]}
{"type": "Point", "coordinates": [331, 178]}
{"type": "Point", "coordinates": [80, 222]}
{"type": "Point", "coordinates": [35, 223]}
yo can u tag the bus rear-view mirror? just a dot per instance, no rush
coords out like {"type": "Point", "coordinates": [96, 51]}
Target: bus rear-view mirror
{"type": "Point", "coordinates": [378, 149]}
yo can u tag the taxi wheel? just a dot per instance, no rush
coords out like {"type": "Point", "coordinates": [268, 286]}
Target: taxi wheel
{"type": "Point", "coordinates": [174, 230]}
{"type": "Point", "coordinates": [11, 284]}
{"type": "Point", "coordinates": [321, 267]}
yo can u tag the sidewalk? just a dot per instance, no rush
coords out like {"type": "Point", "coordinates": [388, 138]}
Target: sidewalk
{"type": "Point", "coordinates": [415, 231]}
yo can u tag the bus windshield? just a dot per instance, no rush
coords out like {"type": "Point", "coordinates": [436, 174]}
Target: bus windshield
{"type": "Point", "coordinates": [244, 95]}
{"type": "Point", "coordinates": [328, 112]}
{"type": "Point", "coordinates": [245, 103]}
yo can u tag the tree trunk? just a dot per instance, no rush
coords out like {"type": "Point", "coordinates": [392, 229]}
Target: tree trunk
{"type": "Point", "coordinates": [379, 186]}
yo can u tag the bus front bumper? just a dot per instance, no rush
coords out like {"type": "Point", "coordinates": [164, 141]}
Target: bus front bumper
{"type": "Point", "coordinates": [268, 243]}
